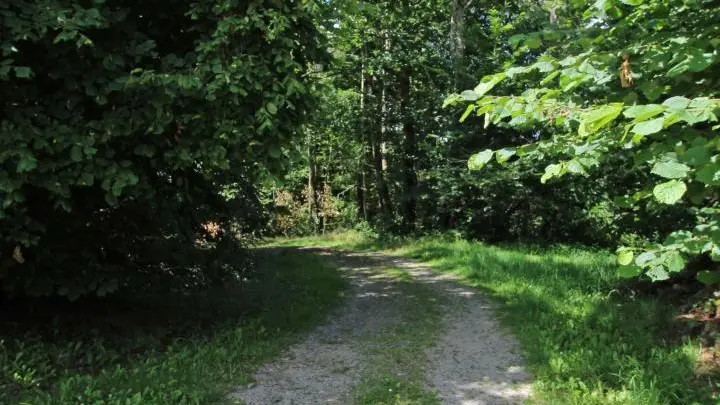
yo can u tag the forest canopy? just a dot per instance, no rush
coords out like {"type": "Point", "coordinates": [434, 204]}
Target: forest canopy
{"type": "Point", "coordinates": [127, 127]}
{"type": "Point", "coordinates": [136, 128]}
{"type": "Point", "coordinates": [161, 161]}
{"type": "Point", "coordinates": [591, 123]}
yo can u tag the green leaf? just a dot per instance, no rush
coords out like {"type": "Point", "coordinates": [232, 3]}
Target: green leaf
{"type": "Point", "coordinates": [678, 69]}
{"type": "Point", "coordinates": [658, 273]}
{"type": "Point", "coordinates": [76, 153]}
{"type": "Point", "coordinates": [589, 162]}
{"type": "Point", "coordinates": [625, 257]}
{"type": "Point", "coordinates": [624, 202]}
{"type": "Point", "coordinates": [272, 108]}
{"type": "Point", "coordinates": [649, 127]}
{"type": "Point", "coordinates": [696, 156]}
{"type": "Point", "coordinates": [699, 60]}
{"type": "Point", "coordinates": [551, 171]}
{"type": "Point", "coordinates": [517, 70]}
{"type": "Point", "coordinates": [527, 149]}
{"type": "Point", "coordinates": [643, 112]}
{"type": "Point", "coordinates": [595, 120]}
{"type": "Point", "coordinates": [680, 40]}
{"type": "Point", "coordinates": [644, 258]}
{"type": "Point", "coordinates": [452, 99]}
{"type": "Point", "coordinates": [533, 42]}
{"type": "Point", "coordinates": [469, 95]}
{"type": "Point", "coordinates": [708, 277]}
{"type": "Point", "coordinates": [544, 66]}
{"type": "Point", "coordinates": [503, 155]}
{"type": "Point", "coordinates": [86, 179]}
{"type": "Point", "coordinates": [550, 77]}
{"type": "Point", "coordinates": [516, 39]}
{"type": "Point", "coordinates": [22, 72]}
{"type": "Point", "coordinates": [27, 163]}
{"type": "Point", "coordinates": [670, 170]}
{"type": "Point", "coordinates": [470, 108]}
{"type": "Point", "coordinates": [479, 160]}
{"type": "Point", "coordinates": [629, 271]}
{"type": "Point", "coordinates": [651, 90]}
{"type": "Point", "coordinates": [709, 174]}
{"type": "Point", "coordinates": [677, 103]}
{"type": "Point", "coordinates": [669, 192]}
{"type": "Point", "coordinates": [702, 103]}
{"type": "Point", "coordinates": [674, 261]}
{"type": "Point", "coordinates": [574, 166]}
{"type": "Point", "coordinates": [488, 82]}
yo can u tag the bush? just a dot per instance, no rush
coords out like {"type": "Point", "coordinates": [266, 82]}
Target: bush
{"type": "Point", "coordinates": [125, 125]}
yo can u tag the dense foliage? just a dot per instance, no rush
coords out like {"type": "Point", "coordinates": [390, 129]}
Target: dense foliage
{"type": "Point", "coordinates": [144, 145]}
{"type": "Point", "coordinates": [618, 93]}
{"type": "Point", "coordinates": [130, 130]}
{"type": "Point", "coordinates": [618, 88]}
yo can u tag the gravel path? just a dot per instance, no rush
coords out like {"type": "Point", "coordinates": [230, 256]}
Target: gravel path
{"type": "Point", "coordinates": [473, 363]}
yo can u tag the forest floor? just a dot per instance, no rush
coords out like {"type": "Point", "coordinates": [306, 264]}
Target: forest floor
{"type": "Point", "coordinates": [405, 335]}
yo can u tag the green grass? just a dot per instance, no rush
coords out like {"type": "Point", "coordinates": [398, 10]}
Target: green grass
{"type": "Point", "coordinates": [169, 349]}
{"type": "Point", "coordinates": [395, 375]}
{"type": "Point", "coordinates": [586, 339]}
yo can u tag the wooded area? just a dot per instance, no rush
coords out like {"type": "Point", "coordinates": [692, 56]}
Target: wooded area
{"type": "Point", "coordinates": [147, 145]}
{"type": "Point", "coordinates": [590, 125]}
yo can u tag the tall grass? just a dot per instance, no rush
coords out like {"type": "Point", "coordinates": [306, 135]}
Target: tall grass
{"type": "Point", "coordinates": [585, 340]}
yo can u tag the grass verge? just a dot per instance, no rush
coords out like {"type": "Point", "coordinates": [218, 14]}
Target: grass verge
{"type": "Point", "coordinates": [395, 375]}
{"type": "Point", "coordinates": [170, 349]}
{"type": "Point", "coordinates": [586, 341]}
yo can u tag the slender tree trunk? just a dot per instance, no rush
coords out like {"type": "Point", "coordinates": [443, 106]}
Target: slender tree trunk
{"type": "Point", "coordinates": [360, 193]}
{"type": "Point", "coordinates": [384, 119]}
{"type": "Point", "coordinates": [409, 202]}
{"type": "Point", "coordinates": [313, 207]}
{"type": "Point", "coordinates": [361, 181]}
{"type": "Point", "coordinates": [380, 183]}
{"type": "Point", "coordinates": [369, 153]}
{"type": "Point", "coordinates": [457, 41]}
{"type": "Point", "coordinates": [379, 147]}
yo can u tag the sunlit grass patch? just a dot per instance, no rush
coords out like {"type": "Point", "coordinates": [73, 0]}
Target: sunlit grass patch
{"type": "Point", "coordinates": [398, 274]}
{"type": "Point", "coordinates": [585, 340]}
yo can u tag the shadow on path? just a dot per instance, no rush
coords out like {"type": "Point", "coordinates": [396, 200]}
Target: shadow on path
{"type": "Point", "coordinates": [473, 363]}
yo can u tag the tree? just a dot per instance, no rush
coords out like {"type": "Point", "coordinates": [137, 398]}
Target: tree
{"type": "Point", "coordinates": [616, 83]}
{"type": "Point", "coordinates": [127, 124]}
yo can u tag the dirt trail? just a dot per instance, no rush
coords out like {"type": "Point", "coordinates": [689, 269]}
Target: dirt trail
{"type": "Point", "coordinates": [473, 362]}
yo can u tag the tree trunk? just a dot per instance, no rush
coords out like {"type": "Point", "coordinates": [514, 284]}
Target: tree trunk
{"type": "Point", "coordinates": [361, 180]}
{"type": "Point", "coordinates": [380, 183]}
{"type": "Point", "coordinates": [313, 207]}
{"type": "Point", "coordinates": [409, 153]}
{"type": "Point", "coordinates": [457, 41]}
{"type": "Point", "coordinates": [360, 193]}
{"type": "Point", "coordinates": [379, 147]}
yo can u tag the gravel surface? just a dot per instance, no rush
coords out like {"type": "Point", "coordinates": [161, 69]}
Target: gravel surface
{"type": "Point", "coordinates": [473, 363]}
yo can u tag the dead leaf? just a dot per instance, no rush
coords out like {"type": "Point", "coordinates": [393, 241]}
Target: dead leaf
{"type": "Point", "coordinates": [18, 255]}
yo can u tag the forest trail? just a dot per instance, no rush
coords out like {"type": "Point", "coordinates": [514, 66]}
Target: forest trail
{"type": "Point", "coordinates": [469, 361]}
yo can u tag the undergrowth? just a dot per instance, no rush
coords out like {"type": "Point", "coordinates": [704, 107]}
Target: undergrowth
{"type": "Point", "coordinates": [168, 349]}
{"type": "Point", "coordinates": [587, 340]}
